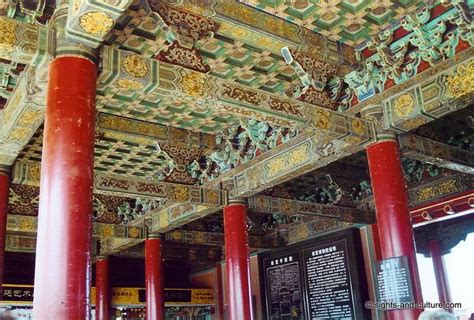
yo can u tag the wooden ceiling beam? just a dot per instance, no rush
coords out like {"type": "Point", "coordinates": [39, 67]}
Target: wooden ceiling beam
{"type": "Point", "coordinates": [258, 29]}
{"type": "Point", "coordinates": [437, 153]}
{"type": "Point", "coordinates": [271, 205]}
{"type": "Point", "coordinates": [149, 133]}
{"type": "Point", "coordinates": [215, 238]}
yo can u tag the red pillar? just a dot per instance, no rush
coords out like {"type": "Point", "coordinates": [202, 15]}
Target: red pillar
{"type": "Point", "coordinates": [237, 260]}
{"type": "Point", "coordinates": [393, 217]}
{"type": "Point", "coordinates": [220, 295]}
{"type": "Point", "coordinates": [154, 278]}
{"type": "Point", "coordinates": [4, 187]}
{"type": "Point", "coordinates": [440, 272]}
{"type": "Point", "coordinates": [102, 289]}
{"type": "Point", "coordinates": [62, 274]}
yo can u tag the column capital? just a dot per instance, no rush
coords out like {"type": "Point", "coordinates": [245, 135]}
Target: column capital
{"type": "Point", "coordinates": [64, 46]}
{"type": "Point", "coordinates": [102, 257]}
{"type": "Point", "coordinates": [155, 236]}
{"type": "Point", "coordinates": [242, 201]}
{"type": "Point", "coordinates": [5, 170]}
{"type": "Point", "coordinates": [383, 136]}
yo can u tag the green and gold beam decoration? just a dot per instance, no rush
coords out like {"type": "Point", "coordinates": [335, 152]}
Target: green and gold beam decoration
{"type": "Point", "coordinates": [258, 29]}
{"type": "Point", "coordinates": [25, 43]}
{"type": "Point", "coordinates": [173, 192]}
{"type": "Point", "coordinates": [283, 163]}
{"type": "Point", "coordinates": [173, 216]}
{"type": "Point", "coordinates": [90, 21]}
{"type": "Point", "coordinates": [440, 188]}
{"type": "Point", "coordinates": [161, 220]}
{"type": "Point", "coordinates": [148, 133]}
{"type": "Point", "coordinates": [21, 233]}
{"type": "Point", "coordinates": [23, 114]}
{"type": "Point", "coordinates": [214, 238]}
{"type": "Point", "coordinates": [301, 231]}
{"type": "Point", "coordinates": [449, 90]}
{"type": "Point", "coordinates": [133, 85]}
{"type": "Point", "coordinates": [270, 205]}
{"type": "Point", "coordinates": [29, 225]}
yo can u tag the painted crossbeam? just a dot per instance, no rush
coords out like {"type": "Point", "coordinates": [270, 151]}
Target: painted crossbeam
{"type": "Point", "coordinates": [265, 31]}
{"type": "Point", "coordinates": [25, 43]}
{"type": "Point", "coordinates": [439, 188]}
{"type": "Point", "coordinates": [214, 238]}
{"type": "Point", "coordinates": [22, 115]}
{"type": "Point", "coordinates": [283, 163]}
{"type": "Point", "coordinates": [149, 133]}
{"type": "Point", "coordinates": [177, 251]}
{"type": "Point", "coordinates": [173, 192]}
{"type": "Point", "coordinates": [440, 154]}
{"type": "Point", "coordinates": [266, 204]}
{"type": "Point", "coordinates": [20, 243]}
{"type": "Point", "coordinates": [174, 216]}
{"type": "Point", "coordinates": [432, 94]}
{"type": "Point", "coordinates": [29, 225]}
{"type": "Point", "coordinates": [301, 231]}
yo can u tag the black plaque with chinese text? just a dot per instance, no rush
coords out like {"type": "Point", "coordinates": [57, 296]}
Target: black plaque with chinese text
{"type": "Point", "coordinates": [285, 298]}
{"type": "Point", "coordinates": [328, 280]}
{"type": "Point", "coordinates": [319, 278]}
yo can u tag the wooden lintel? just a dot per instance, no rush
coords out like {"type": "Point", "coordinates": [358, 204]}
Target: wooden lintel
{"type": "Point", "coordinates": [440, 154]}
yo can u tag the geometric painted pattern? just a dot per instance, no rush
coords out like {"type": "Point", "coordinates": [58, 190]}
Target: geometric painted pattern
{"type": "Point", "coordinates": [233, 60]}
{"type": "Point", "coordinates": [151, 107]}
{"type": "Point", "coordinates": [127, 158]}
{"type": "Point", "coordinates": [348, 21]}
{"type": "Point", "coordinates": [229, 58]}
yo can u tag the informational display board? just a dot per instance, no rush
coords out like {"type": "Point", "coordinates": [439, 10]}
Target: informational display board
{"type": "Point", "coordinates": [393, 285]}
{"type": "Point", "coordinates": [328, 280]}
{"type": "Point", "coordinates": [285, 300]}
{"type": "Point", "coordinates": [320, 278]}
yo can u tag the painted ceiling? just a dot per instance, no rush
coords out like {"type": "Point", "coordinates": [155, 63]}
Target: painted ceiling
{"type": "Point", "coordinates": [348, 21]}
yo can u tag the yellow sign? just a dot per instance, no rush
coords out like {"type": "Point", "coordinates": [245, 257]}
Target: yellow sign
{"type": "Point", "coordinates": [23, 295]}
{"type": "Point", "coordinates": [173, 297]}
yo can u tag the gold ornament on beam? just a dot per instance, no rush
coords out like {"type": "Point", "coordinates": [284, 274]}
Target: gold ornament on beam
{"type": "Point", "coordinates": [135, 66]}
{"type": "Point", "coordinates": [96, 23]}
{"type": "Point", "coordinates": [126, 84]}
{"type": "Point", "coordinates": [358, 126]}
{"type": "Point", "coordinates": [7, 34]}
{"type": "Point", "coordinates": [321, 119]}
{"type": "Point", "coordinates": [194, 85]}
{"type": "Point", "coordinates": [404, 105]}
{"type": "Point", "coordinates": [461, 83]}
